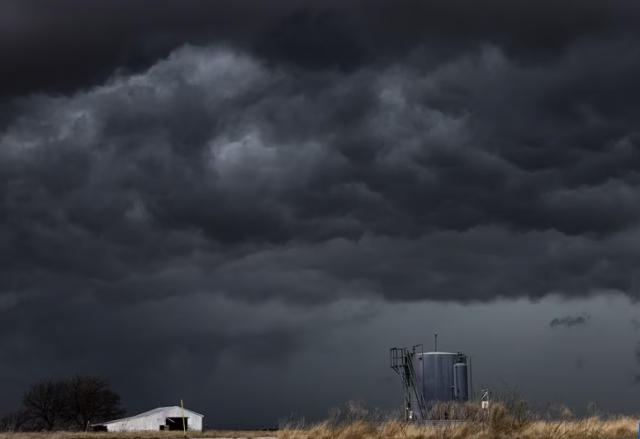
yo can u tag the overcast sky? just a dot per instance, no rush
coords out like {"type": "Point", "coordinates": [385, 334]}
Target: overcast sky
{"type": "Point", "coordinates": [245, 204]}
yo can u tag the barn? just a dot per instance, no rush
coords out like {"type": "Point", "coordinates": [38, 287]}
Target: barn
{"type": "Point", "coordinates": [162, 418]}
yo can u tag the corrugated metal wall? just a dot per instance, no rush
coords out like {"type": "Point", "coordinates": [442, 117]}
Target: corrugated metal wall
{"type": "Point", "coordinates": [435, 376]}
{"type": "Point", "coordinates": [154, 420]}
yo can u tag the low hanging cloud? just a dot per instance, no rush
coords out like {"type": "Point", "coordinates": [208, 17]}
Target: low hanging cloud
{"type": "Point", "coordinates": [213, 172]}
{"type": "Point", "coordinates": [570, 321]}
{"type": "Point", "coordinates": [254, 193]}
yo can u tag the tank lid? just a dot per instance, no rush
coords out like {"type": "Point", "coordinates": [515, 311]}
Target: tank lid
{"type": "Point", "coordinates": [438, 353]}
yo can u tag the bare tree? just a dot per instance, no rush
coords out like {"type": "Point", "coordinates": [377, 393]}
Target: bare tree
{"type": "Point", "coordinates": [89, 398]}
{"type": "Point", "coordinates": [67, 404]}
{"type": "Point", "coordinates": [15, 421]}
{"type": "Point", "coordinates": [46, 403]}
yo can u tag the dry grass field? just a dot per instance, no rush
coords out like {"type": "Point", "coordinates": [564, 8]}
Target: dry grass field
{"type": "Point", "coordinates": [510, 419]}
{"type": "Point", "coordinates": [592, 428]}
{"type": "Point", "coordinates": [588, 428]}
{"type": "Point", "coordinates": [212, 434]}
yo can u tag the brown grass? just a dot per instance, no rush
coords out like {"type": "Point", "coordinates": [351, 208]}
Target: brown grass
{"type": "Point", "coordinates": [588, 428]}
{"type": "Point", "coordinates": [138, 435]}
{"type": "Point", "coordinates": [510, 418]}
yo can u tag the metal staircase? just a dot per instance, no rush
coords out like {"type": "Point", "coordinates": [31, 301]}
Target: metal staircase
{"type": "Point", "coordinates": [402, 363]}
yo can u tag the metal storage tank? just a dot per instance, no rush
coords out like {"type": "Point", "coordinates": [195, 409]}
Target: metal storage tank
{"type": "Point", "coordinates": [431, 377]}
{"type": "Point", "coordinates": [461, 381]}
{"type": "Point", "coordinates": [435, 375]}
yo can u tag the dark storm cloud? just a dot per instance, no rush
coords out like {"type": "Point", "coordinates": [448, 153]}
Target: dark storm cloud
{"type": "Point", "coordinates": [75, 44]}
{"type": "Point", "coordinates": [570, 321]}
{"type": "Point", "coordinates": [240, 199]}
{"type": "Point", "coordinates": [214, 172]}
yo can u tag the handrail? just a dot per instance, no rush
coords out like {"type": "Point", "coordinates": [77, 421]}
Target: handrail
{"type": "Point", "coordinates": [419, 394]}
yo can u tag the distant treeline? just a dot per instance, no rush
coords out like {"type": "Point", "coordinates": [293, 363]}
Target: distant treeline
{"type": "Point", "coordinates": [67, 404]}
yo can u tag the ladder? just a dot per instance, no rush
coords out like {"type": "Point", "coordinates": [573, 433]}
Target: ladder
{"type": "Point", "coordinates": [401, 362]}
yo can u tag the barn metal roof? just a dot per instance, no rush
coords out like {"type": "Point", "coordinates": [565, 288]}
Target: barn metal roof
{"type": "Point", "coordinates": [148, 413]}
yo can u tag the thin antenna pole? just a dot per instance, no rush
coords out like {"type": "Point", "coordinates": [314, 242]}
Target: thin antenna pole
{"type": "Point", "coordinates": [422, 383]}
{"type": "Point", "coordinates": [184, 424]}
{"type": "Point", "coordinates": [436, 348]}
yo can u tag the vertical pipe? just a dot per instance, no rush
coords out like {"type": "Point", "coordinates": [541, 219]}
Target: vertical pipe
{"type": "Point", "coordinates": [422, 383]}
{"type": "Point", "coordinates": [470, 372]}
{"type": "Point", "coordinates": [184, 424]}
{"type": "Point", "coordinates": [456, 384]}
{"type": "Point", "coordinates": [436, 347]}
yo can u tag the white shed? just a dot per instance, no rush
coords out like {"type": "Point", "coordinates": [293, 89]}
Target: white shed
{"type": "Point", "coordinates": [162, 418]}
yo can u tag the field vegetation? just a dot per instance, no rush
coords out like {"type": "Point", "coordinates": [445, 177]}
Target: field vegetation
{"type": "Point", "coordinates": [211, 434]}
{"type": "Point", "coordinates": [509, 417]}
